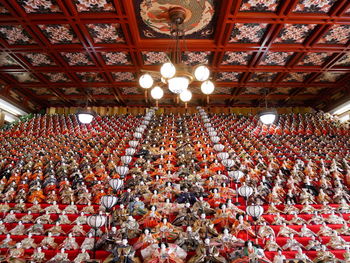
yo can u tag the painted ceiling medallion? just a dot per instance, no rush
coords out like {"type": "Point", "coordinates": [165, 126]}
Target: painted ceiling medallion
{"type": "Point", "coordinates": [154, 13]}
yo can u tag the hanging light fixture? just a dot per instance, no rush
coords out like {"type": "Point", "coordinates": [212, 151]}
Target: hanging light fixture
{"type": "Point", "coordinates": [268, 116]}
{"type": "Point", "coordinates": [186, 95]}
{"type": "Point", "coordinates": [86, 116]}
{"type": "Point", "coordinates": [146, 81]}
{"type": "Point", "coordinates": [176, 75]}
{"type": "Point", "coordinates": [157, 93]}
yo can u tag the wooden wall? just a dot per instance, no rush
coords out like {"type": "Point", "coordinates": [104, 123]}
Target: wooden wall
{"type": "Point", "coordinates": [141, 110]}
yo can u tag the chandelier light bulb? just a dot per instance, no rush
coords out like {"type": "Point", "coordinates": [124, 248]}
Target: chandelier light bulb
{"type": "Point", "coordinates": [178, 85]}
{"type": "Point", "coordinates": [201, 73]}
{"type": "Point", "coordinates": [146, 81]}
{"type": "Point", "coordinates": [186, 95]}
{"type": "Point", "coordinates": [207, 87]}
{"type": "Point", "coordinates": [168, 70]}
{"type": "Point", "coordinates": [157, 93]}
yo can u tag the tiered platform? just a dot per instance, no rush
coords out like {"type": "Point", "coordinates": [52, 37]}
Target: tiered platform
{"type": "Point", "coordinates": [59, 170]}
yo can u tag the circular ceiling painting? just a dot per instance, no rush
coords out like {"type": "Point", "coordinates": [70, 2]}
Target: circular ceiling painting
{"type": "Point", "coordinates": [199, 13]}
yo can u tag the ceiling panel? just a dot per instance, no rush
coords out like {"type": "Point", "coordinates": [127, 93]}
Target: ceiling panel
{"type": "Point", "coordinates": [59, 52]}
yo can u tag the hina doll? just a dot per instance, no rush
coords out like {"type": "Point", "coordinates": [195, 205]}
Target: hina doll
{"type": "Point", "coordinates": [324, 255]}
{"type": "Point", "coordinates": [3, 229]}
{"type": "Point", "coordinates": [18, 230]}
{"type": "Point", "coordinates": [45, 218]}
{"type": "Point", "coordinates": [145, 240]}
{"type": "Point", "coordinates": [151, 218]}
{"type": "Point", "coordinates": [82, 257]}
{"type": "Point", "coordinates": [316, 219]}
{"type": "Point", "coordinates": [166, 231]}
{"type": "Point", "coordinates": [38, 256]}
{"type": "Point", "coordinates": [51, 197]}
{"type": "Point", "coordinates": [35, 208]}
{"type": "Point", "coordinates": [204, 227]}
{"type": "Point", "coordinates": [273, 210]}
{"type": "Point", "coordinates": [7, 242]}
{"type": "Point", "coordinates": [123, 253]}
{"type": "Point", "coordinates": [71, 209]}
{"type": "Point", "coordinates": [202, 207]}
{"type": "Point", "coordinates": [271, 244]}
{"type": "Point", "coordinates": [88, 243]}
{"type": "Point", "coordinates": [241, 227]}
{"type": "Point", "coordinates": [325, 230]}
{"type": "Point", "coordinates": [216, 198]}
{"type": "Point", "coordinates": [292, 244]}
{"type": "Point", "coordinates": [300, 255]}
{"type": "Point", "coordinates": [69, 243]}
{"type": "Point", "coordinates": [339, 194]}
{"type": "Point", "coordinates": [130, 227]}
{"type": "Point", "coordinates": [169, 207]}
{"type": "Point", "coordinates": [185, 217]}
{"type": "Point", "coordinates": [82, 219]}
{"type": "Point", "coordinates": [186, 197]}
{"type": "Point", "coordinates": [224, 218]}
{"type": "Point", "coordinates": [323, 198]}
{"type": "Point", "coordinates": [306, 232]}
{"type": "Point", "coordinates": [107, 240]}
{"type": "Point", "coordinates": [137, 207]}
{"type": "Point", "coordinates": [334, 219]}
{"type": "Point", "coordinates": [279, 257]}
{"type": "Point", "coordinates": [63, 218]}
{"type": "Point", "coordinates": [126, 197]}
{"type": "Point", "coordinates": [228, 242]}
{"type": "Point", "coordinates": [164, 253]}
{"type": "Point", "coordinates": [88, 209]}
{"type": "Point", "coordinates": [28, 242]}
{"type": "Point", "coordinates": [279, 220]}
{"type": "Point", "coordinates": [344, 230]}
{"type": "Point", "coordinates": [265, 231]}
{"type": "Point", "coordinates": [206, 253]}
{"type": "Point", "coordinates": [60, 257]}
{"type": "Point", "coordinates": [10, 218]}
{"type": "Point", "coordinates": [344, 207]}
{"type": "Point", "coordinates": [336, 242]}
{"type": "Point", "coordinates": [27, 218]}
{"type": "Point", "coordinates": [56, 230]}
{"type": "Point", "coordinates": [36, 195]}
{"type": "Point", "coordinates": [67, 196]}
{"type": "Point", "coordinates": [307, 209]}
{"type": "Point", "coordinates": [16, 254]}
{"type": "Point", "coordinates": [120, 215]}
{"type": "Point", "coordinates": [188, 240]}
{"type": "Point", "coordinates": [313, 244]}
{"type": "Point", "coordinates": [20, 207]}
{"type": "Point", "coordinates": [233, 208]}
{"type": "Point", "coordinates": [296, 220]}
{"type": "Point", "coordinates": [84, 197]}
{"type": "Point", "coordinates": [286, 231]}
{"type": "Point", "coordinates": [48, 242]}
{"type": "Point", "coordinates": [4, 207]}
{"type": "Point", "coordinates": [77, 230]}
{"type": "Point", "coordinates": [37, 228]}
{"type": "Point", "coordinates": [290, 209]}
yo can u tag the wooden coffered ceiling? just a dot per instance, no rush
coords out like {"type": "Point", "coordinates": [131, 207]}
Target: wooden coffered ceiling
{"type": "Point", "coordinates": [59, 53]}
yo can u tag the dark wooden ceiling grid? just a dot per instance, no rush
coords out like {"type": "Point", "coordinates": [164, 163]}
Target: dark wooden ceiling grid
{"type": "Point", "coordinates": [230, 14]}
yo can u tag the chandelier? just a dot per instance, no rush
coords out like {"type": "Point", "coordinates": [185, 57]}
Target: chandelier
{"type": "Point", "coordinates": [268, 115]}
{"type": "Point", "coordinates": [174, 74]}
